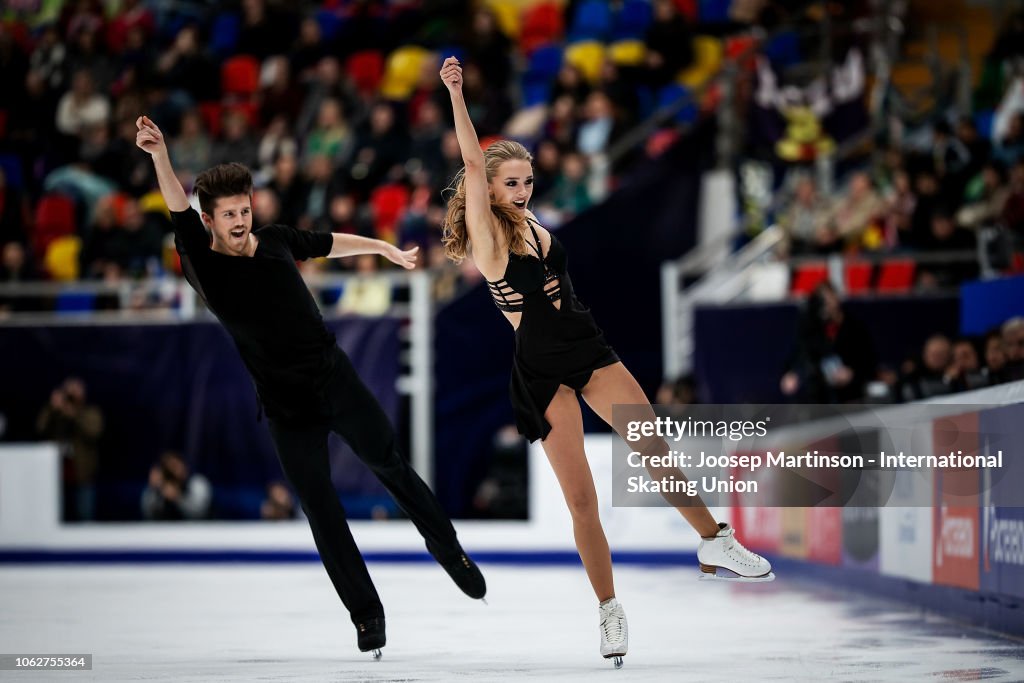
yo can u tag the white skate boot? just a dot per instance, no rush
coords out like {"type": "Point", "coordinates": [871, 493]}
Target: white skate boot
{"type": "Point", "coordinates": [724, 558]}
{"type": "Point", "coordinates": [614, 634]}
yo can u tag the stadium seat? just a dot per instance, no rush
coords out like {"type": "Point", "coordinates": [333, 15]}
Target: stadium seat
{"type": "Point", "coordinates": [545, 63]}
{"type": "Point", "coordinates": [632, 20]}
{"type": "Point", "coordinates": [689, 9]}
{"type": "Point", "coordinates": [741, 48]}
{"type": "Point", "coordinates": [330, 24]}
{"type": "Point", "coordinates": [808, 276]}
{"type": "Point", "coordinates": [541, 24]}
{"type": "Point", "coordinates": [211, 113]}
{"type": "Point", "coordinates": [588, 57]}
{"type": "Point", "coordinates": [707, 52]}
{"type": "Point", "coordinates": [896, 276]}
{"type": "Point", "coordinates": [402, 72]}
{"type": "Point", "coordinates": [61, 259]}
{"type": "Point", "coordinates": [74, 301]}
{"type": "Point", "coordinates": [541, 70]}
{"type": "Point", "coordinates": [627, 52]}
{"type": "Point", "coordinates": [11, 166]}
{"type": "Point", "coordinates": [592, 21]}
{"type": "Point", "coordinates": [224, 34]}
{"type": "Point", "coordinates": [671, 94]}
{"type": "Point", "coordinates": [783, 49]}
{"type": "Point", "coordinates": [858, 276]}
{"type": "Point", "coordinates": [240, 76]}
{"type": "Point", "coordinates": [714, 11]}
{"type": "Point", "coordinates": [54, 217]}
{"type": "Point", "coordinates": [508, 16]}
{"type": "Point", "coordinates": [366, 69]}
{"type": "Point", "coordinates": [389, 203]}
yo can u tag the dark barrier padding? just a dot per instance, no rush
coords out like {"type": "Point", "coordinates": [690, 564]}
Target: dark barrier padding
{"type": "Point", "coordinates": [615, 255]}
{"type": "Point", "coordinates": [741, 351]}
{"type": "Point", "coordinates": [182, 387]}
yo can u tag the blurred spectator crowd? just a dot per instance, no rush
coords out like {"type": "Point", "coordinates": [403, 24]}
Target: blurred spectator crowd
{"type": "Point", "coordinates": [335, 105]}
{"type": "Point", "coordinates": [935, 203]}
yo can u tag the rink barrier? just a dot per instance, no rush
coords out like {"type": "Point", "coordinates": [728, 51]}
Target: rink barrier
{"type": "Point", "coordinates": [962, 556]}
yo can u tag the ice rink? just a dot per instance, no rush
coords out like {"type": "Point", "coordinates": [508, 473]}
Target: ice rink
{"type": "Point", "coordinates": [243, 622]}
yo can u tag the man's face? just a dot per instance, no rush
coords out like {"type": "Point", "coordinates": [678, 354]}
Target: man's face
{"type": "Point", "coordinates": [231, 224]}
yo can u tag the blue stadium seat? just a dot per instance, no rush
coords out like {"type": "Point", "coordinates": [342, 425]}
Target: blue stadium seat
{"type": "Point", "coordinates": [783, 49]}
{"type": "Point", "coordinates": [983, 121]}
{"type": "Point", "coordinates": [224, 34]}
{"type": "Point", "coordinates": [536, 92]}
{"type": "Point", "coordinates": [11, 165]}
{"type": "Point", "coordinates": [75, 302]}
{"type": "Point", "coordinates": [330, 24]}
{"type": "Point", "coordinates": [714, 11]}
{"type": "Point", "coordinates": [632, 20]}
{"type": "Point", "coordinates": [545, 63]}
{"type": "Point", "coordinates": [593, 21]}
{"type": "Point", "coordinates": [671, 94]}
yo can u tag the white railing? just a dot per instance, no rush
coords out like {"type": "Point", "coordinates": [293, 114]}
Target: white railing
{"type": "Point", "coordinates": [722, 278]}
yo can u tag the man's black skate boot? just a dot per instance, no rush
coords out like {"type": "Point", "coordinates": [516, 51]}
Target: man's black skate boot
{"type": "Point", "coordinates": [464, 572]}
{"type": "Point", "coordinates": [370, 635]}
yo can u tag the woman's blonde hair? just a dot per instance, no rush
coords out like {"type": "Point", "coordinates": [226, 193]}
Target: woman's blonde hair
{"type": "Point", "coordinates": [453, 233]}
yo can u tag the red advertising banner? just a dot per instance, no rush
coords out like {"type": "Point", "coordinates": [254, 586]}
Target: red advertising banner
{"type": "Point", "coordinates": [956, 530]}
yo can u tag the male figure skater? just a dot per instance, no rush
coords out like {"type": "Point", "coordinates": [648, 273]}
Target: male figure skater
{"type": "Point", "coordinates": [304, 382]}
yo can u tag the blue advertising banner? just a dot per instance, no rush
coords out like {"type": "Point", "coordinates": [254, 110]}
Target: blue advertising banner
{"type": "Point", "coordinates": [1002, 527]}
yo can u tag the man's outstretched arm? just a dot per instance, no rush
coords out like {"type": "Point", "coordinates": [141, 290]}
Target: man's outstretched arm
{"type": "Point", "coordinates": [353, 245]}
{"type": "Point", "coordinates": [151, 140]}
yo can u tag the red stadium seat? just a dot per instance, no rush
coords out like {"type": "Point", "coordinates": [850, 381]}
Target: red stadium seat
{"type": "Point", "coordinates": [212, 113]}
{"type": "Point", "coordinates": [366, 69]}
{"type": "Point", "coordinates": [808, 276]}
{"type": "Point", "coordinates": [858, 276]}
{"type": "Point", "coordinates": [542, 24]}
{"type": "Point", "coordinates": [240, 76]}
{"type": "Point", "coordinates": [389, 203]}
{"type": "Point", "coordinates": [897, 275]}
{"type": "Point", "coordinates": [735, 46]}
{"type": "Point", "coordinates": [55, 217]}
{"type": "Point", "coordinates": [689, 9]}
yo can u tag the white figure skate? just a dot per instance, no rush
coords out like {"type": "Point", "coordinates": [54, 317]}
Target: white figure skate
{"type": "Point", "coordinates": [614, 633]}
{"type": "Point", "coordinates": [723, 558]}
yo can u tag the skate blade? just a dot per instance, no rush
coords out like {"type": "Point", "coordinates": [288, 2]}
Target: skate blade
{"type": "Point", "coordinates": [377, 654]}
{"type": "Point", "coordinates": [721, 574]}
{"type": "Point", "coordinates": [616, 659]}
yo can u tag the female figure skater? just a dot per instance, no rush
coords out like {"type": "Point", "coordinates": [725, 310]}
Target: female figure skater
{"type": "Point", "coordinates": [304, 382]}
{"type": "Point", "coordinates": [559, 351]}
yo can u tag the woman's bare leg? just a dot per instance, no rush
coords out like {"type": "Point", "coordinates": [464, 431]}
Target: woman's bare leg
{"type": "Point", "coordinates": [564, 448]}
{"type": "Point", "coordinates": [614, 384]}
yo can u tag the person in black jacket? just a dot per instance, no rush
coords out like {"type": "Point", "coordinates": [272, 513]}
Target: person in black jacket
{"type": "Point", "coordinates": [304, 382]}
{"type": "Point", "coordinates": [834, 357]}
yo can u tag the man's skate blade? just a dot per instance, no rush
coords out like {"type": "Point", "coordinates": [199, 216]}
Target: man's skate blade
{"type": "Point", "coordinates": [720, 574]}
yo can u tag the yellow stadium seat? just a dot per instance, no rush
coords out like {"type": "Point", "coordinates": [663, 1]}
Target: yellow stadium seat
{"type": "Point", "coordinates": [403, 71]}
{"type": "Point", "coordinates": [627, 52]}
{"type": "Point", "coordinates": [61, 259]}
{"type": "Point", "coordinates": [154, 202]}
{"type": "Point", "coordinates": [587, 56]}
{"type": "Point", "coordinates": [507, 12]}
{"type": "Point", "coordinates": [707, 52]}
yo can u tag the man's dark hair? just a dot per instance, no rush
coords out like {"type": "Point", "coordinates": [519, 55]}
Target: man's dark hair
{"type": "Point", "coordinates": [224, 180]}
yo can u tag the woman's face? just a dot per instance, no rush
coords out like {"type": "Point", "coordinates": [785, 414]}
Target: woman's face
{"type": "Point", "coordinates": [512, 185]}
